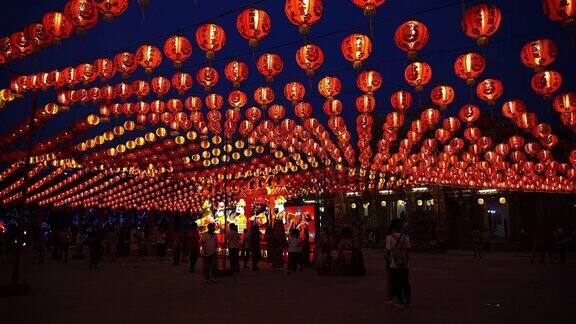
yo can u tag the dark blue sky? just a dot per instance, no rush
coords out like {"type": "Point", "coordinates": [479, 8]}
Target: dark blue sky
{"type": "Point", "coordinates": [523, 20]}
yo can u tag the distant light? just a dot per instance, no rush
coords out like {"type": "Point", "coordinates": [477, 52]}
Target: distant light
{"type": "Point", "coordinates": [420, 189]}
{"type": "Point", "coordinates": [386, 192]}
{"type": "Point", "coordinates": [24, 232]}
{"type": "Point", "coordinates": [383, 203]}
{"type": "Point", "coordinates": [487, 191]}
{"type": "Point", "coordinates": [352, 193]}
{"type": "Point", "coordinates": [24, 244]}
{"type": "Point", "coordinates": [353, 205]}
{"type": "Point", "coordinates": [310, 201]}
{"type": "Point", "coordinates": [401, 202]}
{"type": "Point", "coordinates": [365, 205]}
{"type": "Point", "coordinates": [480, 201]}
{"type": "Point", "coordinates": [502, 200]}
{"type": "Point", "coordinates": [419, 202]}
{"type": "Point", "coordinates": [322, 209]}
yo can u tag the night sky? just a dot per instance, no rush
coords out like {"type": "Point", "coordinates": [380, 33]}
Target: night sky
{"type": "Point", "coordinates": [522, 21]}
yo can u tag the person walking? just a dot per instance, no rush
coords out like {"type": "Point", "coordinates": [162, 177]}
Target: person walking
{"type": "Point", "coordinates": [255, 246]}
{"type": "Point", "coordinates": [193, 246]}
{"type": "Point", "coordinates": [246, 247]}
{"type": "Point", "coordinates": [477, 242]}
{"type": "Point", "coordinates": [398, 250]}
{"type": "Point", "coordinates": [305, 249]}
{"type": "Point", "coordinates": [209, 244]}
{"type": "Point", "coordinates": [234, 248]}
{"type": "Point", "coordinates": [176, 248]}
{"type": "Point", "coordinates": [277, 244]}
{"type": "Point", "coordinates": [294, 250]}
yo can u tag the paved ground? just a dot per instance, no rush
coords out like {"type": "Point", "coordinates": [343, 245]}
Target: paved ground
{"type": "Point", "coordinates": [447, 289]}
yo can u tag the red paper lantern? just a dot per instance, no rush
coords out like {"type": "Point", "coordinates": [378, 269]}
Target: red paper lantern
{"type": "Point", "coordinates": [182, 82]}
{"type": "Point", "coordinates": [442, 135]}
{"type": "Point", "coordinates": [160, 86]}
{"type": "Point", "coordinates": [401, 100]}
{"type": "Point", "coordinates": [210, 38]}
{"type": "Point", "coordinates": [369, 6]}
{"type": "Point", "coordinates": [430, 116]}
{"type": "Point", "coordinates": [303, 13]}
{"type": "Point", "coordinates": [294, 91]}
{"type": "Point", "coordinates": [237, 99]}
{"type": "Point", "coordinates": [451, 124]}
{"type": "Point", "coordinates": [39, 35]}
{"type": "Point", "coordinates": [23, 43]}
{"type": "Point", "coordinates": [469, 66]}
{"type": "Point", "coordinates": [527, 120]}
{"type": "Point", "coordinates": [356, 48]}
{"type": "Point", "coordinates": [329, 87]}
{"type": "Point", "coordinates": [489, 90]}
{"type": "Point", "coordinates": [214, 101]}
{"type": "Point", "coordinates": [395, 120]}
{"type": "Point", "coordinates": [303, 110]}
{"type": "Point", "coordinates": [148, 57]}
{"type": "Point", "coordinates": [469, 113]}
{"type": "Point", "coordinates": [111, 8]}
{"type": "Point", "coordinates": [86, 73]}
{"type": "Point", "coordinates": [481, 21]}
{"type": "Point", "coordinates": [309, 57]}
{"type": "Point", "coordinates": [178, 49]}
{"type": "Point", "coordinates": [418, 74]}
{"type": "Point", "coordinates": [369, 81]}
{"type": "Point", "coordinates": [126, 63]}
{"type": "Point", "coordinates": [513, 108]}
{"type": "Point", "coordinates": [105, 68]}
{"type": "Point", "coordinates": [123, 91]}
{"type": "Point", "coordinates": [253, 114]}
{"type": "Point", "coordinates": [569, 119]}
{"type": "Point", "coordinates": [472, 134]}
{"type": "Point", "coordinates": [264, 96]}
{"type": "Point", "coordinates": [207, 77]}
{"type": "Point", "coordinates": [365, 103]}
{"type": "Point", "coordinates": [82, 13]}
{"type": "Point", "coordinates": [253, 24]}
{"type": "Point", "coordinates": [57, 25]}
{"type": "Point", "coordinates": [269, 65]}
{"type": "Point", "coordinates": [539, 53]}
{"type": "Point", "coordinates": [563, 11]}
{"type": "Point", "coordinates": [442, 96]}
{"type": "Point", "coordinates": [332, 107]}
{"type": "Point", "coordinates": [193, 103]}
{"type": "Point", "coordinates": [174, 105]}
{"type": "Point", "coordinates": [69, 76]}
{"type": "Point", "coordinates": [565, 102]}
{"type": "Point", "coordinates": [236, 72]}
{"type": "Point", "coordinates": [546, 83]}
{"type": "Point", "coordinates": [276, 112]}
{"type": "Point", "coordinates": [411, 37]}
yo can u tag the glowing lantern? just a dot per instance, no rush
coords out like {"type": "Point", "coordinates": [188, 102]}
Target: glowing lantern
{"type": "Point", "coordinates": [542, 130]}
{"type": "Point", "coordinates": [442, 135]}
{"type": "Point", "coordinates": [526, 120]}
{"type": "Point", "coordinates": [472, 134]}
{"type": "Point", "coordinates": [123, 91]}
{"type": "Point", "coordinates": [546, 83]}
{"type": "Point", "coordinates": [329, 87]}
{"type": "Point", "coordinates": [294, 91]}
{"type": "Point", "coordinates": [309, 57]}
{"type": "Point", "coordinates": [182, 82]}
{"type": "Point", "coordinates": [39, 35]}
{"type": "Point", "coordinates": [214, 101]}
{"type": "Point", "coordinates": [418, 74]}
{"type": "Point", "coordinates": [148, 57]}
{"type": "Point", "coordinates": [253, 114]}
{"type": "Point", "coordinates": [539, 53]}
{"type": "Point", "coordinates": [210, 38]}
{"type": "Point", "coordinates": [237, 99]}
{"type": "Point", "coordinates": [469, 66]}
{"type": "Point", "coordinates": [430, 116]}
{"type": "Point", "coordinates": [563, 11]}
{"type": "Point", "coordinates": [126, 63]}
{"type": "Point", "coordinates": [332, 107]}
{"type": "Point", "coordinates": [356, 48]}
{"type": "Point", "coordinates": [160, 86]}
{"type": "Point", "coordinates": [82, 13]}
{"type": "Point", "coordinates": [369, 81]}
{"type": "Point", "coordinates": [513, 108]}
{"type": "Point", "coordinates": [207, 77]}
{"type": "Point", "coordinates": [469, 113]}
{"type": "Point", "coordinates": [86, 73]}
{"type": "Point", "coordinates": [401, 100]}
{"type": "Point", "coordinates": [451, 124]}
{"type": "Point", "coordinates": [264, 96]}
{"type": "Point", "coordinates": [365, 103]}
{"type": "Point", "coordinates": [369, 6]}
{"type": "Point", "coordinates": [253, 24]}
{"type": "Point", "coordinates": [489, 90]}
{"type": "Point", "coordinates": [565, 102]}
{"type": "Point", "coordinates": [178, 49]}
{"type": "Point", "coordinates": [193, 103]}
{"type": "Point", "coordinates": [442, 96]}
{"type": "Point", "coordinates": [276, 112]}
{"type": "Point", "coordinates": [303, 110]}
{"type": "Point", "coordinates": [303, 13]}
{"type": "Point", "coordinates": [411, 37]}
{"type": "Point", "coordinates": [174, 105]}
{"type": "Point", "coordinates": [236, 72]}
{"type": "Point", "coordinates": [51, 108]}
{"type": "Point", "coordinates": [111, 8]}
{"type": "Point", "coordinates": [105, 68]}
{"type": "Point", "coordinates": [481, 21]}
{"type": "Point", "coordinates": [22, 43]}
{"type": "Point", "coordinates": [395, 119]}
{"type": "Point", "coordinates": [57, 25]}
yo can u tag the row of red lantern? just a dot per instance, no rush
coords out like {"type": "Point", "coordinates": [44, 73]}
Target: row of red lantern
{"type": "Point", "coordinates": [89, 192]}
{"type": "Point", "coordinates": [57, 186]}
{"type": "Point", "coordinates": [16, 184]}
{"type": "Point", "coordinates": [85, 184]}
{"type": "Point", "coordinates": [107, 136]}
{"type": "Point", "coordinates": [55, 26]}
{"type": "Point", "coordinates": [11, 169]}
{"type": "Point", "coordinates": [119, 187]}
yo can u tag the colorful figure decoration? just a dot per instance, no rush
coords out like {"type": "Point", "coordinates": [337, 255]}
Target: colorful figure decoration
{"type": "Point", "coordinates": [206, 218]}
{"type": "Point", "coordinates": [238, 217]}
{"type": "Point", "coordinates": [280, 212]}
{"type": "Point", "coordinates": [220, 219]}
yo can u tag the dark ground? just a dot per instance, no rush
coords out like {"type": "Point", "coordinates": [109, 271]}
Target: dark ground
{"type": "Point", "coordinates": [502, 288]}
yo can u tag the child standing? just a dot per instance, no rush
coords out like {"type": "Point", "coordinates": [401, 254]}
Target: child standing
{"type": "Point", "coordinates": [294, 250]}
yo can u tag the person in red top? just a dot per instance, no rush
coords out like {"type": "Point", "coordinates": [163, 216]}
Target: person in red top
{"type": "Point", "coordinates": [193, 242]}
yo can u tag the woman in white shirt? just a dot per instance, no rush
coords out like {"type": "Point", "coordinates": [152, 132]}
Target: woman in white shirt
{"type": "Point", "coordinates": [294, 250]}
{"type": "Point", "coordinates": [233, 241]}
{"type": "Point", "coordinates": [209, 244]}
